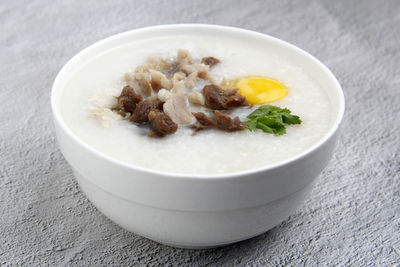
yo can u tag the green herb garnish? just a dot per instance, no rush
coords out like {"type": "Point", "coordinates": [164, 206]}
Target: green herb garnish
{"type": "Point", "coordinates": [271, 119]}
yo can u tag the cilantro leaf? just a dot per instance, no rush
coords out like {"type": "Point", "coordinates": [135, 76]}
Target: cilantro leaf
{"type": "Point", "coordinates": [277, 127]}
{"type": "Point", "coordinates": [267, 110]}
{"type": "Point", "coordinates": [291, 119]}
{"type": "Point", "coordinates": [252, 125]}
{"type": "Point", "coordinates": [265, 128]}
{"type": "Point", "coordinates": [271, 119]}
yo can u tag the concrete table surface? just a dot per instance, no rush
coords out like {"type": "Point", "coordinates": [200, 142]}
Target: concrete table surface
{"type": "Point", "coordinates": [352, 215]}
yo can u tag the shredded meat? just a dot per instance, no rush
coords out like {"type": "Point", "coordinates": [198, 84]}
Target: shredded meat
{"type": "Point", "coordinates": [204, 120]}
{"type": "Point", "coordinates": [191, 80]}
{"type": "Point", "coordinates": [193, 70]}
{"type": "Point", "coordinates": [163, 95]}
{"type": "Point", "coordinates": [184, 57]}
{"type": "Point", "coordinates": [185, 62]}
{"type": "Point", "coordinates": [195, 97]}
{"type": "Point", "coordinates": [159, 80]}
{"type": "Point", "coordinates": [161, 123]}
{"type": "Point", "coordinates": [176, 108]}
{"type": "Point", "coordinates": [210, 61]}
{"type": "Point", "coordinates": [202, 71]}
{"type": "Point", "coordinates": [143, 109]}
{"type": "Point", "coordinates": [142, 77]}
{"type": "Point", "coordinates": [128, 100]}
{"type": "Point", "coordinates": [178, 83]}
{"type": "Point", "coordinates": [224, 122]}
{"type": "Point", "coordinates": [145, 85]}
{"type": "Point", "coordinates": [217, 98]}
{"type": "Point", "coordinates": [158, 92]}
{"type": "Point", "coordinates": [178, 76]}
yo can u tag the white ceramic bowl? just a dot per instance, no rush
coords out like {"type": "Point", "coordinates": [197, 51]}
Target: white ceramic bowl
{"type": "Point", "coordinates": [196, 211]}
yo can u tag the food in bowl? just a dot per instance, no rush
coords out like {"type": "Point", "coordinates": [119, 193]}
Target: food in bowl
{"type": "Point", "coordinates": [177, 66]}
{"type": "Point", "coordinates": [216, 187]}
{"type": "Point", "coordinates": [165, 93]}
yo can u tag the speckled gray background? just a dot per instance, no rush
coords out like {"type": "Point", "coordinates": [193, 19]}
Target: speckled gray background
{"type": "Point", "coordinates": [352, 216]}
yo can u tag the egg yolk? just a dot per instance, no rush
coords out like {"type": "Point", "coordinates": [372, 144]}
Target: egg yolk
{"type": "Point", "coordinates": [261, 90]}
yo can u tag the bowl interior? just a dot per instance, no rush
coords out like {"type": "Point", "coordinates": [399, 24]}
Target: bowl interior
{"type": "Point", "coordinates": [319, 73]}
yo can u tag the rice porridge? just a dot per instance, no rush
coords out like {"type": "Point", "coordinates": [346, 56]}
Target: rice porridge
{"type": "Point", "coordinates": [100, 80]}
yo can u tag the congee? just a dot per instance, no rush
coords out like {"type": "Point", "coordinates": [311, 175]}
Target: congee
{"type": "Point", "coordinates": [187, 104]}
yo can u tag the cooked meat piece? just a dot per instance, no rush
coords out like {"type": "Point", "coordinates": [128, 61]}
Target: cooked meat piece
{"type": "Point", "coordinates": [159, 80]}
{"type": "Point", "coordinates": [191, 80]}
{"type": "Point", "coordinates": [217, 98]}
{"type": "Point", "coordinates": [233, 98]}
{"type": "Point", "coordinates": [204, 120]}
{"type": "Point", "coordinates": [140, 115]}
{"type": "Point", "coordinates": [161, 123]}
{"type": "Point", "coordinates": [178, 83]}
{"type": "Point", "coordinates": [157, 104]}
{"type": "Point", "coordinates": [210, 61]}
{"type": "Point", "coordinates": [159, 63]}
{"type": "Point", "coordinates": [143, 78]}
{"type": "Point", "coordinates": [224, 122]}
{"type": "Point", "coordinates": [130, 79]}
{"type": "Point", "coordinates": [186, 63]}
{"type": "Point", "coordinates": [141, 112]}
{"type": "Point", "coordinates": [238, 125]}
{"type": "Point", "coordinates": [125, 104]}
{"type": "Point", "coordinates": [178, 76]}
{"type": "Point", "coordinates": [175, 107]}
{"type": "Point", "coordinates": [142, 72]}
{"type": "Point", "coordinates": [163, 95]}
{"type": "Point", "coordinates": [188, 69]}
{"type": "Point", "coordinates": [128, 100]}
{"type": "Point", "coordinates": [145, 86]}
{"type": "Point", "coordinates": [184, 57]}
{"type": "Point", "coordinates": [129, 92]}
{"type": "Point", "coordinates": [197, 98]}
{"type": "Point", "coordinates": [202, 71]}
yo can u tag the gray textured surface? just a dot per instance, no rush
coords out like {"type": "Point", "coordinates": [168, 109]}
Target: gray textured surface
{"type": "Point", "coordinates": [352, 217]}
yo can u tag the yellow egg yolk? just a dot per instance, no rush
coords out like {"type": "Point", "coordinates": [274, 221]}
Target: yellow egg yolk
{"type": "Point", "coordinates": [261, 90]}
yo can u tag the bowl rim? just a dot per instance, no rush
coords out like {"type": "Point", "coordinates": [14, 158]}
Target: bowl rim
{"type": "Point", "coordinates": [327, 136]}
